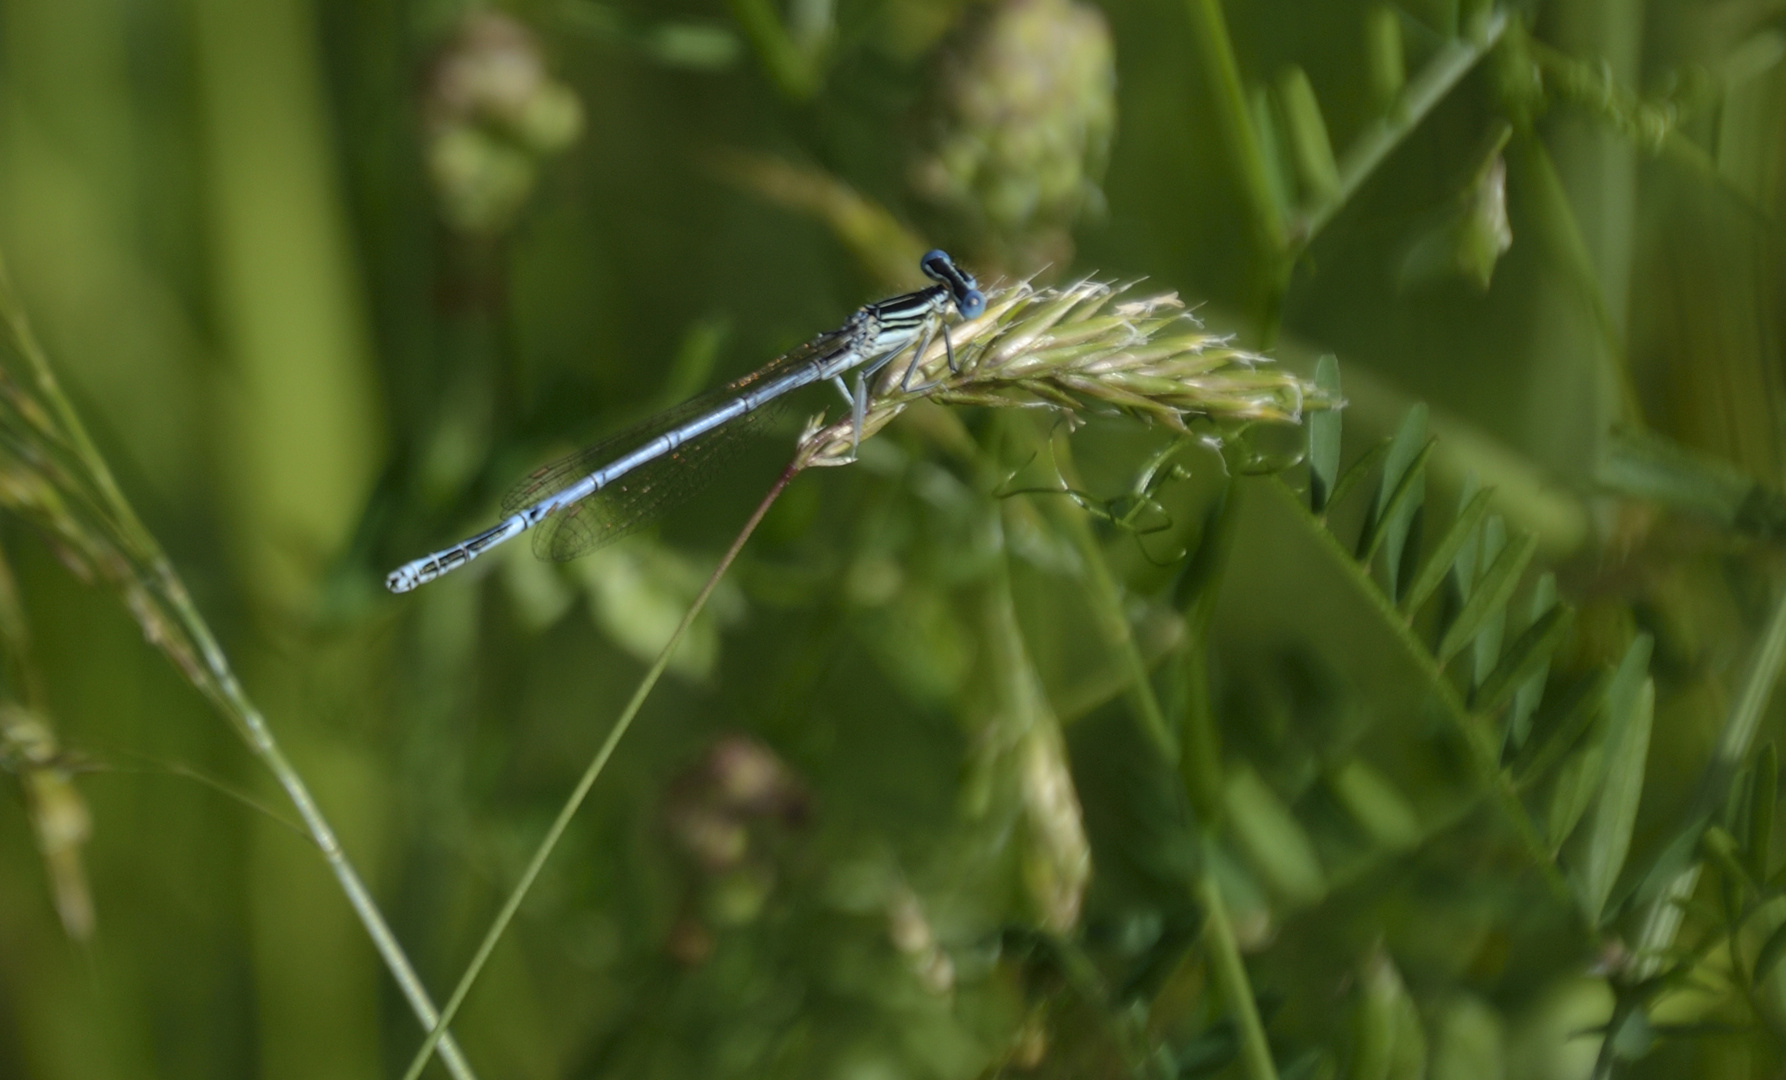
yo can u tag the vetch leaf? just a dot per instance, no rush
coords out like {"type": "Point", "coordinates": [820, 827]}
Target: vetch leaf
{"type": "Point", "coordinates": [1489, 597]}
{"type": "Point", "coordinates": [1764, 791]}
{"type": "Point", "coordinates": [1526, 698]}
{"type": "Point", "coordinates": [1469, 1041]}
{"type": "Point", "coordinates": [1309, 143]}
{"type": "Point", "coordinates": [1633, 669]}
{"type": "Point", "coordinates": [1580, 778]}
{"type": "Point", "coordinates": [1400, 491]}
{"type": "Point", "coordinates": [1487, 647]}
{"type": "Point", "coordinates": [1464, 569]}
{"type": "Point", "coordinates": [1380, 810]}
{"type": "Point", "coordinates": [1769, 957]}
{"type": "Point", "coordinates": [1324, 437]}
{"type": "Point", "coordinates": [1576, 713]}
{"type": "Point", "coordinates": [1383, 51]}
{"type": "Point", "coordinates": [1577, 779]}
{"type": "Point", "coordinates": [1438, 564]}
{"type": "Point", "coordinates": [1358, 471]}
{"type": "Point", "coordinates": [1387, 1040]}
{"type": "Point", "coordinates": [1275, 845]}
{"type": "Point", "coordinates": [1397, 515]}
{"type": "Point", "coordinates": [1606, 836]}
{"type": "Point", "coordinates": [1279, 186]}
{"type": "Point", "coordinates": [1528, 656]}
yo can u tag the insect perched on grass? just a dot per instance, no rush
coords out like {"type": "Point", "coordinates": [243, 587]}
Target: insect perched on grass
{"type": "Point", "coordinates": [602, 493]}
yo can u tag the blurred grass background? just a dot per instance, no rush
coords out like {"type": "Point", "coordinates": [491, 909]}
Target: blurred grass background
{"type": "Point", "coordinates": [324, 277]}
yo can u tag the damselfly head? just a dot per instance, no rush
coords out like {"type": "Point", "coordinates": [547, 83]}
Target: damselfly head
{"type": "Point", "coordinates": [963, 289]}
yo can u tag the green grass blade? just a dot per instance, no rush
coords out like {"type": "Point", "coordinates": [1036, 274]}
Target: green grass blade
{"type": "Point", "coordinates": [1282, 187]}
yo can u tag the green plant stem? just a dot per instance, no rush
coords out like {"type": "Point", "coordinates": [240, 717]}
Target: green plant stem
{"type": "Point", "coordinates": [1230, 974]}
{"type": "Point", "coordinates": [216, 679]}
{"type": "Point", "coordinates": [1544, 186]}
{"type": "Point", "coordinates": [262, 742]}
{"type": "Point", "coordinates": [1484, 751]}
{"type": "Point", "coordinates": [1222, 72]}
{"type": "Point", "coordinates": [549, 842]}
{"type": "Point", "coordinates": [792, 71]}
{"type": "Point", "coordinates": [1379, 140]}
{"type": "Point", "coordinates": [1200, 741]}
{"type": "Point", "coordinates": [1105, 597]}
{"type": "Point", "coordinates": [1663, 918]}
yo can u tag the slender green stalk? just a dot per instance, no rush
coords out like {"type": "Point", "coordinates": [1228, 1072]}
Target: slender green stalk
{"type": "Point", "coordinates": [1222, 70]}
{"type": "Point", "coordinates": [1230, 974]}
{"type": "Point", "coordinates": [1200, 739]}
{"type": "Point", "coordinates": [1484, 751]}
{"type": "Point", "coordinates": [1663, 918]}
{"type": "Point", "coordinates": [793, 72]}
{"type": "Point", "coordinates": [1105, 596]}
{"type": "Point", "coordinates": [549, 842]}
{"type": "Point", "coordinates": [1378, 141]}
{"type": "Point", "coordinates": [212, 674]}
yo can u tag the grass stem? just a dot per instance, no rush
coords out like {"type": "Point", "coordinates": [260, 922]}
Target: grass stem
{"type": "Point", "coordinates": [599, 762]}
{"type": "Point", "coordinates": [1230, 974]}
{"type": "Point", "coordinates": [1379, 140]}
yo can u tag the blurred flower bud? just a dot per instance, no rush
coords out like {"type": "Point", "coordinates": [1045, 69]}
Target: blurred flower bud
{"type": "Point", "coordinates": [1485, 233]}
{"type": "Point", "coordinates": [749, 779]}
{"type": "Point", "coordinates": [738, 897]}
{"type": "Point", "coordinates": [59, 815]}
{"type": "Point", "coordinates": [910, 932]}
{"type": "Point", "coordinates": [1470, 239]}
{"type": "Point", "coordinates": [1021, 128]}
{"type": "Point", "coordinates": [738, 786]}
{"type": "Point", "coordinates": [1056, 854]}
{"type": "Point", "coordinates": [482, 181]}
{"type": "Point", "coordinates": [492, 112]}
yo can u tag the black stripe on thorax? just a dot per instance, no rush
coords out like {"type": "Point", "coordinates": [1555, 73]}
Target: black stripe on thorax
{"type": "Point", "coordinates": [910, 309]}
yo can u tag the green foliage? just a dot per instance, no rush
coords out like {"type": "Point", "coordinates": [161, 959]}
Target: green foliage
{"type": "Point", "coordinates": [1120, 705]}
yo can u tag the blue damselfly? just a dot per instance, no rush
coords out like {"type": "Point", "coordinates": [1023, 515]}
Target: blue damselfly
{"type": "Point", "coordinates": [606, 491]}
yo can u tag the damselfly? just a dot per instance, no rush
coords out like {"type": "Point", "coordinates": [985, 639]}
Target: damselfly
{"type": "Point", "coordinates": [600, 494]}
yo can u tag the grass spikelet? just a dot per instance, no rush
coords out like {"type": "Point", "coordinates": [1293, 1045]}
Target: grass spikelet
{"type": "Point", "coordinates": [1084, 348]}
